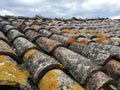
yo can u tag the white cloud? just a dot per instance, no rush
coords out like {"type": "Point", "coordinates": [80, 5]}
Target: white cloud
{"type": "Point", "coordinates": [6, 12]}
{"type": "Point", "coordinates": [72, 5]}
{"type": "Point", "coordinates": [28, 2]}
{"type": "Point", "coordinates": [115, 17]}
{"type": "Point", "coordinates": [110, 5]}
{"type": "Point", "coordinates": [63, 8]}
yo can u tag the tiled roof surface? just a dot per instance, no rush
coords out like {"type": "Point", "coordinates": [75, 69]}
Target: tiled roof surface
{"type": "Point", "coordinates": [59, 54]}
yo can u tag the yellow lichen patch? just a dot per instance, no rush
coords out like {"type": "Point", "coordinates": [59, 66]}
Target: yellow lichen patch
{"type": "Point", "coordinates": [31, 54]}
{"type": "Point", "coordinates": [32, 25]}
{"type": "Point", "coordinates": [10, 73]}
{"type": "Point", "coordinates": [3, 58]}
{"type": "Point", "coordinates": [64, 33]}
{"type": "Point", "coordinates": [49, 81]}
{"type": "Point", "coordinates": [107, 22]}
{"type": "Point", "coordinates": [70, 40]}
{"type": "Point", "coordinates": [69, 31]}
{"type": "Point", "coordinates": [99, 35]}
{"type": "Point", "coordinates": [49, 24]}
{"type": "Point", "coordinates": [28, 53]}
{"type": "Point", "coordinates": [84, 41]}
{"type": "Point", "coordinates": [74, 43]}
{"type": "Point", "coordinates": [62, 66]}
{"type": "Point", "coordinates": [50, 48]}
{"type": "Point", "coordinates": [34, 57]}
{"type": "Point", "coordinates": [83, 31]}
{"type": "Point", "coordinates": [101, 40]}
{"type": "Point", "coordinates": [71, 89]}
{"type": "Point", "coordinates": [47, 27]}
{"type": "Point", "coordinates": [6, 81]}
{"type": "Point", "coordinates": [78, 87]}
{"type": "Point", "coordinates": [27, 74]}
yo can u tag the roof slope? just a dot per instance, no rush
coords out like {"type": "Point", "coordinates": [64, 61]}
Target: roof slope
{"type": "Point", "coordinates": [59, 54]}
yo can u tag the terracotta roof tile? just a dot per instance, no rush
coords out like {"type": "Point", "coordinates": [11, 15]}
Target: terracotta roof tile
{"type": "Point", "coordinates": [59, 54]}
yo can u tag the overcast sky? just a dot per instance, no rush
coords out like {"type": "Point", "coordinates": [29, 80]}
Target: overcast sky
{"type": "Point", "coordinates": [61, 8]}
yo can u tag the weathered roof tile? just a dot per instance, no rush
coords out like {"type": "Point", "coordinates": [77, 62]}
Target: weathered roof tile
{"type": "Point", "coordinates": [85, 49]}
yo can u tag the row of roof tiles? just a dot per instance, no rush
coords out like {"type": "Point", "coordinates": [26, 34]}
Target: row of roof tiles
{"type": "Point", "coordinates": [58, 58]}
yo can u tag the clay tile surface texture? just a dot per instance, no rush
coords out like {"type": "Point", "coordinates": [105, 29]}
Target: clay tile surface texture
{"type": "Point", "coordinates": [42, 53]}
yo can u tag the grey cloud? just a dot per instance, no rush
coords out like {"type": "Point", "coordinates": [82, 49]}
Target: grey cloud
{"type": "Point", "coordinates": [62, 8]}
